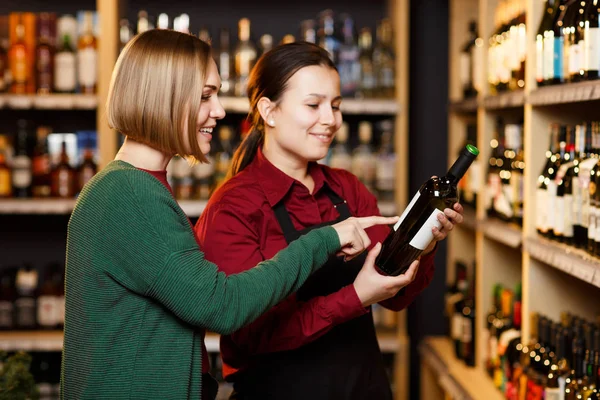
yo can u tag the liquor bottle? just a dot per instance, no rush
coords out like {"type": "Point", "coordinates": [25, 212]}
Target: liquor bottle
{"type": "Point", "coordinates": [41, 168]}
{"type": "Point", "coordinates": [182, 177]}
{"type": "Point", "coordinates": [8, 296]}
{"type": "Point", "coordinates": [266, 43]}
{"type": "Point", "coordinates": [245, 57]}
{"type": "Point", "coordinates": [4, 65]}
{"type": "Point", "coordinates": [44, 53]}
{"type": "Point", "coordinates": [468, 326]}
{"type": "Point", "coordinates": [572, 53]}
{"type": "Point", "coordinates": [563, 211]}
{"type": "Point", "coordinates": [494, 196]}
{"type": "Point", "coordinates": [550, 9]}
{"type": "Point", "coordinates": [308, 32]}
{"type": "Point", "coordinates": [19, 61]}
{"type": "Point", "coordinates": [5, 172]}
{"type": "Point", "coordinates": [203, 174]}
{"type": "Point", "coordinates": [368, 81]}
{"type": "Point", "coordinates": [125, 33]}
{"type": "Point", "coordinates": [521, 41]}
{"type": "Point", "coordinates": [467, 63]}
{"type": "Point", "coordinates": [581, 181]}
{"type": "Point", "coordinates": [559, 369]}
{"type": "Point", "coordinates": [87, 55]}
{"type": "Point", "coordinates": [383, 60]}
{"type": "Point", "coordinates": [591, 52]}
{"type": "Point", "coordinates": [363, 160]}
{"type": "Point", "coordinates": [21, 163]}
{"type": "Point", "coordinates": [575, 381]}
{"type": "Point", "coordinates": [224, 156]}
{"type": "Point", "coordinates": [413, 232]}
{"type": "Point", "coordinates": [553, 47]}
{"type": "Point", "coordinates": [225, 63]}
{"type": "Point", "coordinates": [594, 194]}
{"type": "Point", "coordinates": [62, 178]}
{"type": "Point", "coordinates": [340, 157]}
{"type": "Point", "coordinates": [559, 159]}
{"type": "Point", "coordinates": [348, 62]}
{"type": "Point", "coordinates": [47, 301]}
{"type": "Point", "coordinates": [385, 172]}
{"type": "Point", "coordinates": [87, 169]}
{"type": "Point", "coordinates": [26, 285]}
{"type": "Point", "coordinates": [327, 36]}
{"type": "Point", "coordinates": [143, 22]}
{"type": "Point", "coordinates": [65, 66]}
{"type": "Point", "coordinates": [163, 21]}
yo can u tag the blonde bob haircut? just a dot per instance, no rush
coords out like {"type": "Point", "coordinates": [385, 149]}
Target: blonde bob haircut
{"type": "Point", "coordinates": [156, 89]}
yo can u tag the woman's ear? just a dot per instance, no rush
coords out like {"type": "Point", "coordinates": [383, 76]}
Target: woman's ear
{"type": "Point", "coordinates": [265, 108]}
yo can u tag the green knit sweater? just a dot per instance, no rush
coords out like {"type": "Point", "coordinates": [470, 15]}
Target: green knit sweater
{"type": "Point", "coordinates": [139, 292]}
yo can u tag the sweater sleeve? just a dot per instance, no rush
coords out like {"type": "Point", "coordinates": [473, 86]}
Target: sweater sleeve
{"type": "Point", "coordinates": [167, 265]}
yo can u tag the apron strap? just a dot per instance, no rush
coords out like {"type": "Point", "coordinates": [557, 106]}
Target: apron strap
{"type": "Point", "coordinates": [287, 226]}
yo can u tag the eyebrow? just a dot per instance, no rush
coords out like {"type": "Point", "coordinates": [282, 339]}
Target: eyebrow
{"type": "Point", "coordinates": [322, 96]}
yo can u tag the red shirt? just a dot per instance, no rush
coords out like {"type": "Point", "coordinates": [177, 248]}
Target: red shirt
{"type": "Point", "coordinates": [238, 229]}
{"type": "Point", "coordinates": [162, 177]}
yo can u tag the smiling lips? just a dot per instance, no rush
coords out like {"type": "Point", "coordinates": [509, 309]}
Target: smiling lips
{"type": "Point", "coordinates": [323, 137]}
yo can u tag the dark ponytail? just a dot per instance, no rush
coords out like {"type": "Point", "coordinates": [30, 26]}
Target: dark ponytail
{"type": "Point", "coordinates": [269, 79]}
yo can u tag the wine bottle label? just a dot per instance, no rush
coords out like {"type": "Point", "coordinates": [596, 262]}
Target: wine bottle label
{"type": "Point", "coordinates": [25, 310]}
{"type": "Point", "coordinates": [424, 236]}
{"type": "Point", "coordinates": [577, 200]}
{"type": "Point", "coordinates": [47, 311]}
{"type": "Point", "coordinates": [87, 66]}
{"type": "Point", "coordinates": [553, 394]}
{"type": "Point", "coordinates": [60, 310]}
{"type": "Point", "coordinates": [551, 205]}
{"type": "Point", "coordinates": [559, 215]}
{"type": "Point", "coordinates": [558, 57]}
{"type": "Point", "coordinates": [592, 47]}
{"type": "Point", "coordinates": [21, 171]}
{"type": "Point", "coordinates": [6, 315]}
{"type": "Point", "coordinates": [541, 209]}
{"type": "Point", "coordinates": [5, 184]}
{"type": "Point", "coordinates": [65, 74]}
{"type": "Point", "coordinates": [457, 327]}
{"type": "Point", "coordinates": [407, 210]}
{"type": "Point", "coordinates": [539, 58]}
{"type": "Point", "coordinates": [514, 63]}
{"type": "Point", "coordinates": [467, 330]}
{"type": "Point", "coordinates": [574, 59]}
{"type": "Point", "coordinates": [568, 216]}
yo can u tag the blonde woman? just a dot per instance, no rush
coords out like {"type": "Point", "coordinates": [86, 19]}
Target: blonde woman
{"type": "Point", "coordinates": [139, 292]}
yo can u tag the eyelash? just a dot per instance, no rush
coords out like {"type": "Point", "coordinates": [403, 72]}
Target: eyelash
{"type": "Point", "coordinates": [205, 98]}
{"type": "Point", "coordinates": [315, 106]}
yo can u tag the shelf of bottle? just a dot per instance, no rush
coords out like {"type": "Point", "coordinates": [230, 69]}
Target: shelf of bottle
{"type": "Point", "coordinates": [457, 379]}
{"type": "Point", "coordinates": [464, 106]}
{"type": "Point", "coordinates": [193, 208]}
{"type": "Point", "coordinates": [49, 101]}
{"type": "Point", "coordinates": [569, 259]}
{"type": "Point", "coordinates": [505, 100]}
{"type": "Point", "coordinates": [566, 93]}
{"type": "Point", "coordinates": [349, 106]}
{"type": "Point", "coordinates": [506, 233]}
{"type": "Point", "coordinates": [29, 341]}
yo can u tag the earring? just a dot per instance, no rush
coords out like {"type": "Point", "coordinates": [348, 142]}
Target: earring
{"type": "Point", "coordinates": [271, 123]}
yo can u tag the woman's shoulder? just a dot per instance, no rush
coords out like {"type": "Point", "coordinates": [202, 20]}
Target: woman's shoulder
{"type": "Point", "coordinates": [241, 193]}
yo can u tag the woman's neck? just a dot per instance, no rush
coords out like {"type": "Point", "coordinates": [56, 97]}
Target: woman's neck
{"type": "Point", "coordinates": [289, 165]}
{"type": "Point", "coordinates": [143, 156]}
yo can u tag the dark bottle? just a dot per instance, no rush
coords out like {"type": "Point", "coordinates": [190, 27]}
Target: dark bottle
{"type": "Point", "coordinates": [547, 176]}
{"type": "Point", "coordinates": [63, 176]}
{"type": "Point", "coordinates": [44, 53]}
{"type": "Point", "coordinates": [574, 383]}
{"type": "Point", "coordinates": [41, 164]}
{"type": "Point", "coordinates": [21, 163]}
{"type": "Point", "coordinates": [47, 300]}
{"type": "Point", "coordinates": [225, 63]}
{"type": "Point", "coordinates": [25, 303]}
{"type": "Point", "coordinates": [87, 169]}
{"type": "Point", "coordinates": [563, 210]}
{"type": "Point", "coordinates": [559, 369]}
{"type": "Point", "coordinates": [553, 48]}
{"type": "Point", "coordinates": [467, 63]}
{"type": "Point", "coordinates": [412, 234]}
{"type": "Point", "coordinates": [582, 166]}
{"type": "Point", "coordinates": [7, 299]}
{"type": "Point", "coordinates": [549, 11]}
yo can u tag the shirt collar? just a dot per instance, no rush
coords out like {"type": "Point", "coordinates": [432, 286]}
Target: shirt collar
{"type": "Point", "coordinates": [275, 183]}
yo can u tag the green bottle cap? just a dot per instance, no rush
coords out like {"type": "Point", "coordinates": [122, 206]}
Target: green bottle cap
{"type": "Point", "coordinates": [473, 150]}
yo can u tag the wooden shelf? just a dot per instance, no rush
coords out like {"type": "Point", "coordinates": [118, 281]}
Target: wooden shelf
{"type": "Point", "coordinates": [465, 106]}
{"type": "Point", "coordinates": [503, 232]}
{"type": "Point", "coordinates": [53, 341]}
{"type": "Point", "coordinates": [505, 100]}
{"type": "Point", "coordinates": [36, 206]}
{"type": "Point", "coordinates": [349, 106]}
{"type": "Point", "coordinates": [458, 380]}
{"type": "Point", "coordinates": [570, 260]}
{"type": "Point", "coordinates": [193, 208]}
{"type": "Point", "coordinates": [567, 93]}
{"type": "Point", "coordinates": [49, 102]}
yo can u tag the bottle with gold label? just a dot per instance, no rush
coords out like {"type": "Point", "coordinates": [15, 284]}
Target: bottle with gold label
{"type": "Point", "coordinates": [18, 58]}
{"type": "Point", "coordinates": [245, 57]}
{"type": "Point", "coordinates": [44, 53]}
{"type": "Point", "coordinates": [87, 55]}
{"type": "Point", "coordinates": [63, 176]}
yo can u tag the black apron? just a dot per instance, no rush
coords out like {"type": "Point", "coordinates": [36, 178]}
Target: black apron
{"type": "Point", "coordinates": [343, 364]}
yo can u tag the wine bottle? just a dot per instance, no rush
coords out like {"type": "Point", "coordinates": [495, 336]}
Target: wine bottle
{"type": "Point", "coordinates": [412, 234]}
